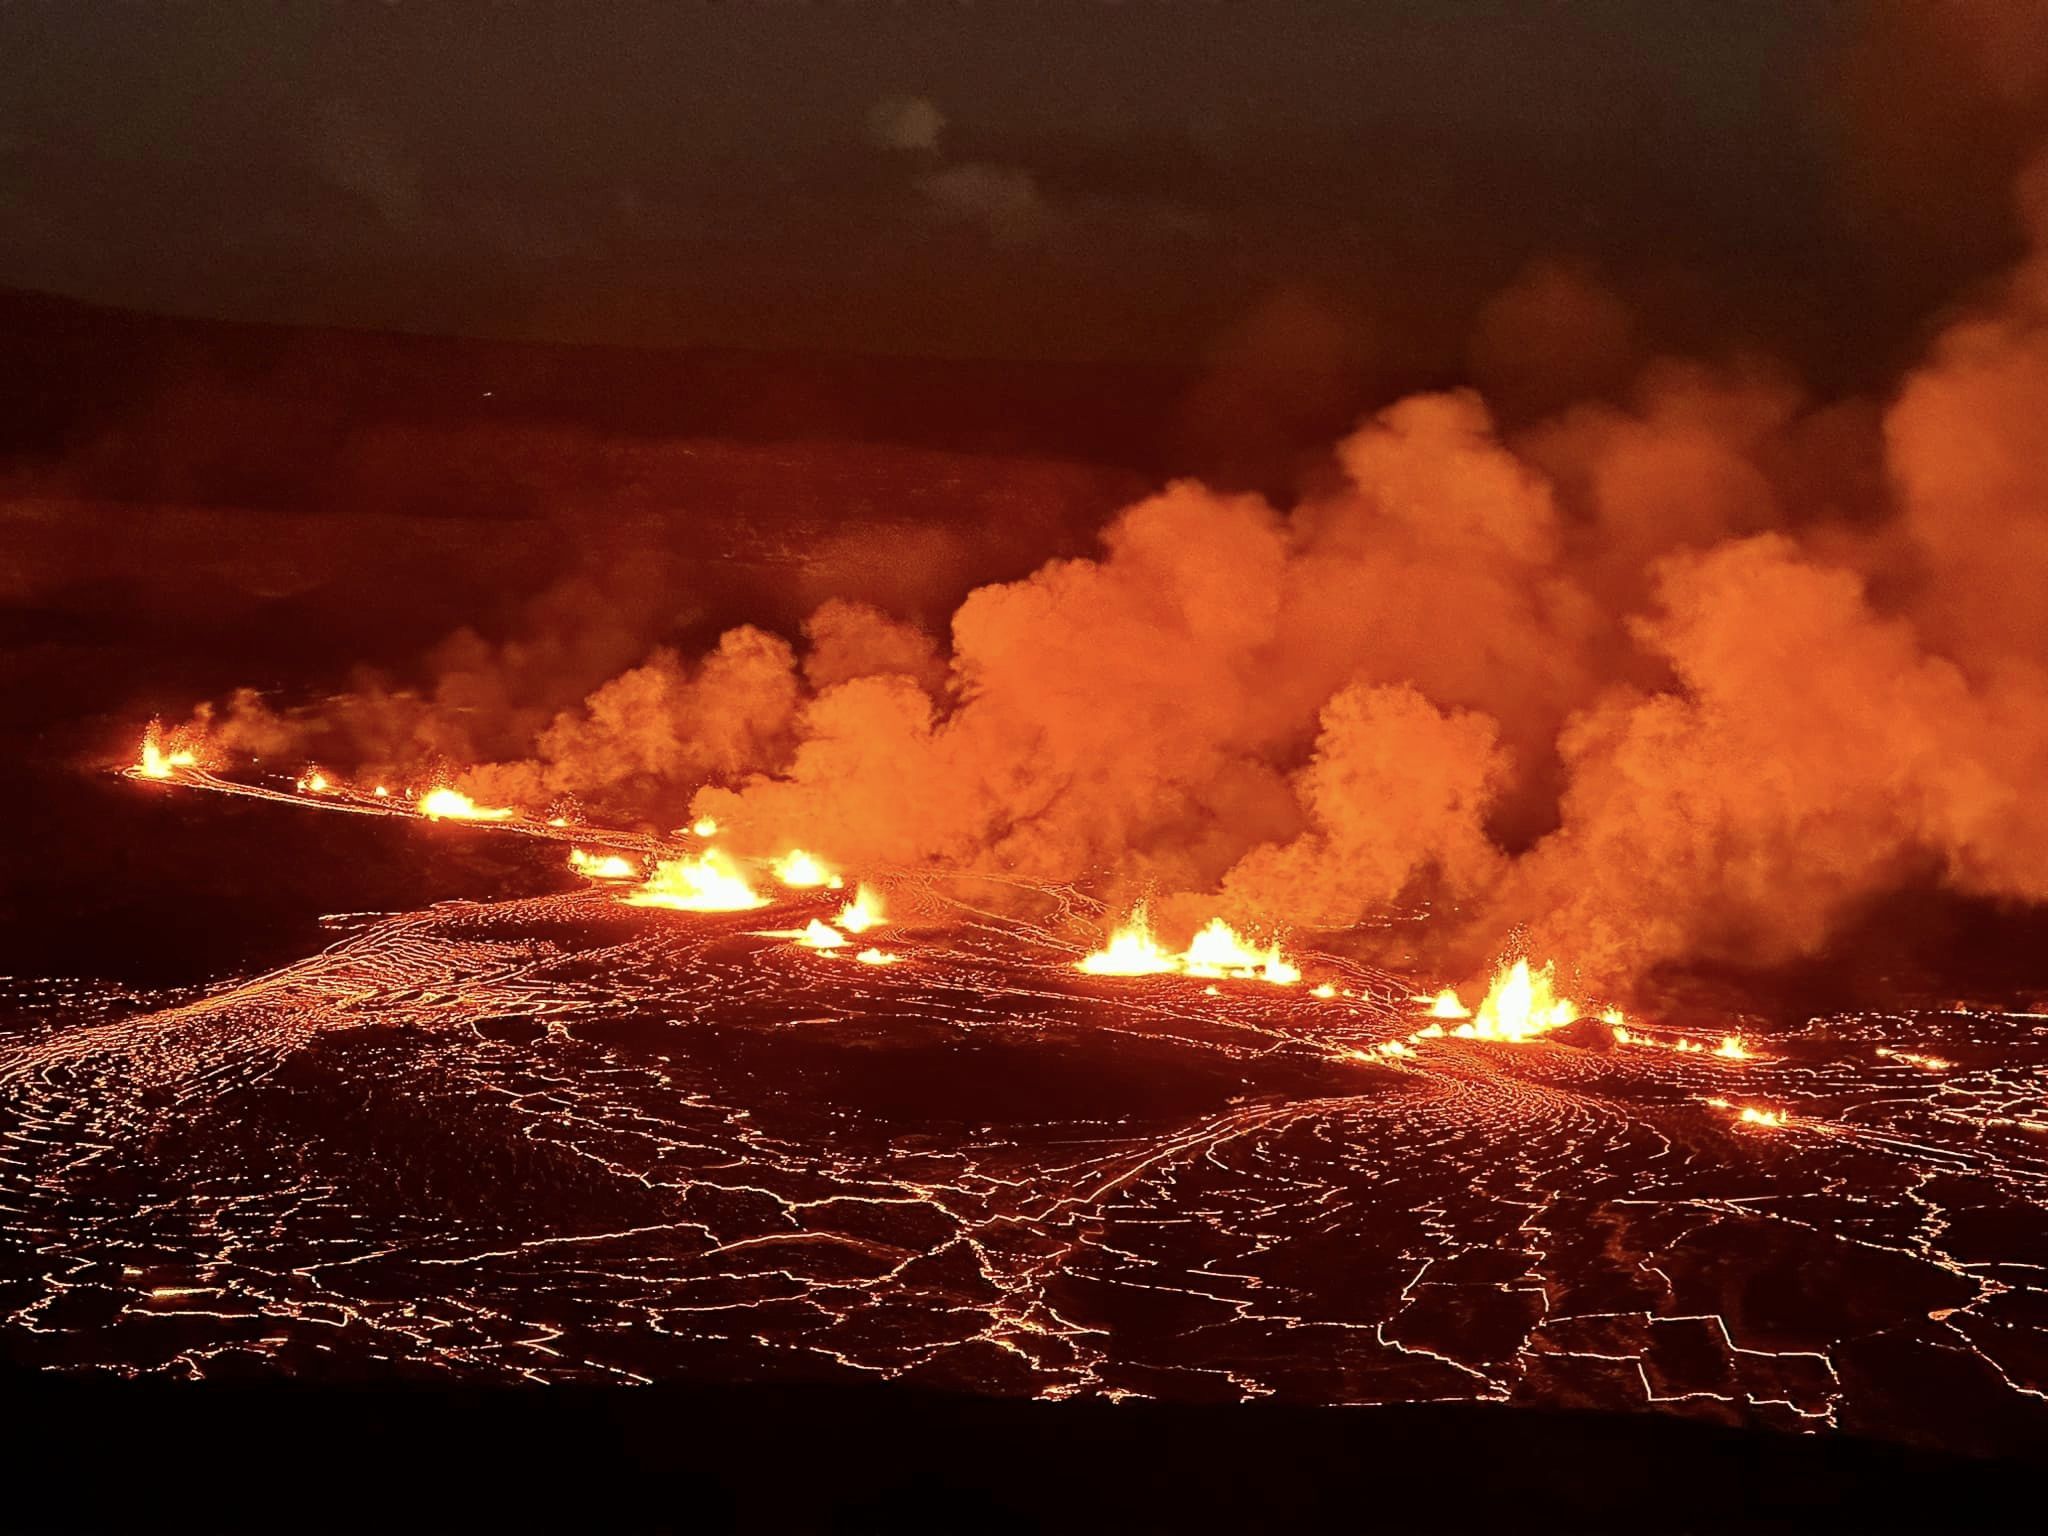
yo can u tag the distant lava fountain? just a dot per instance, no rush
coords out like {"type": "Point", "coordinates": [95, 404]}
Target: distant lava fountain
{"type": "Point", "coordinates": [160, 758]}
{"type": "Point", "coordinates": [1520, 1005]}
{"type": "Point", "coordinates": [1448, 1005]}
{"type": "Point", "coordinates": [863, 912]}
{"type": "Point", "coordinates": [802, 871]}
{"type": "Point", "coordinates": [1217, 951]}
{"type": "Point", "coordinates": [817, 935]}
{"type": "Point", "coordinates": [1131, 950]}
{"type": "Point", "coordinates": [445, 804]}
{"type": "Point", "coordinates": [709, 883]}
{"type": "Point", "coordinates": [602, 866]}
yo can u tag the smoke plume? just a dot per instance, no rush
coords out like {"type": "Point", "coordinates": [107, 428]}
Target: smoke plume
{"type": "Point", "coordinates": [1688, 669]}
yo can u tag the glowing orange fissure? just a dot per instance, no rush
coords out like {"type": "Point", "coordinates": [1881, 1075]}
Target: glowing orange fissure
{"type": "Point", "coordinates": [1521, 1003]}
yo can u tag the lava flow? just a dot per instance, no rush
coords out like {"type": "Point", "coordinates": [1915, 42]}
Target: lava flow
{"type": "Point", "coordinates": [1352, 1112]}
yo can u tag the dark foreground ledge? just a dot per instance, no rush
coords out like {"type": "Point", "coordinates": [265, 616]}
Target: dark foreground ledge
{"type": "Point", "coordinates": [99, 1455]}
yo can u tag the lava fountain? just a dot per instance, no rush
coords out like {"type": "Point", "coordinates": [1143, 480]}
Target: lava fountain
{"type": "Point", "coordinates": [160, 758]}
{"type": "Point", "coordinates": [708, 883]}
{"type": "Point", "coordinates": [802, 871]}
{"type": "Point", "coordinates": [863, 912]}
{"type": "Point", "coordinates": [602, 866]}
{"type": "Point", "coordinates": [1520, 1005]}
{"type": "Point", "coordinates": [1217, 951]}
{"type": "Point", "coordinates": [445, 804]}
{"type": "Point", "coordinates": [1131, 950]}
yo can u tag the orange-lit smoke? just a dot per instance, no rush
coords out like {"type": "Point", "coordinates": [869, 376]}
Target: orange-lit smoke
{"type": "Point", "coordinates": [1687, 671]}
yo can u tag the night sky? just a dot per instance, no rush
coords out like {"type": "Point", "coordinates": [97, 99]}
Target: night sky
{"type": "Point", "coordinates": [1081, 181]}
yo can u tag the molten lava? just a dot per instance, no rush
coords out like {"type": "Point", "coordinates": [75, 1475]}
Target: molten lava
{"type": "Point", "coordinates": [1131, 951]}
{"type": "Point", "coordinates": [877, 957]}
{"type": "Point", "coordinates": [1218, 951]}
{"type": "Point", "coordinates": [1918, 1059]}
{"type": "Point", "coordinates": [802, 871]}
{"type": "Point", "coordinates": [445, 804]}
{"type": "Point", "coordinates": [1448, 1005]}
{"type": "Point", "coordinates": [706, 884]}
{"type": "Point", "coordinates": [1520, 1005]}
{"type": "Point", "coordinates": [863, 912]}
{"type": "Point", "coordinates": [817, 935]}
{"type": "Point", "coordinates": [603, 866]}
{"type": "Point", "coordinates": [161, 757]}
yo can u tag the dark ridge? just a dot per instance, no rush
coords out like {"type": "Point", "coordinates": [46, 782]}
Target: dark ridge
{"type": "Point", "coordinates": [90, 1456]}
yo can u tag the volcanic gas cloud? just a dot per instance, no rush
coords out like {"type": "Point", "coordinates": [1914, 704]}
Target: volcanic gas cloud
{"type": "Point", "coordinates": [1685, 672]}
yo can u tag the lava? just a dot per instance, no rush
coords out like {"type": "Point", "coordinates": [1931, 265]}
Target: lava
{"type": "Point", "coordinates": [802, 871]}
{"type": "Point", "coordinates": [1528, 1131]}
{"type": "Point", "coordinates": [160, 758]}
{"type": "Point", "coordinates": [445, 804]}
{"type": "Point", "coordinates": [313, 782]}
{"type": "Point", "coordinates": [1751, 1114]}
{"type": "Point", "coordinates": [817, 935]}
{"type": "Point", "coordinates": [1918, 1059]}
{"type": "Point", "coordinates": [709, 883]}
{"type": "Point", "coordinates": [1216, 951]}
{"type": "Point", "coordinates": [603, 866]}
{"type": "Point", "coordinates": [1520, 1005]}
{"type": "Point", "coordinates": [1131, 950]}
{"type": "Point", "coordinates": [1447, 1005]}
{"type": "Point", "coordinates": [863, 912]}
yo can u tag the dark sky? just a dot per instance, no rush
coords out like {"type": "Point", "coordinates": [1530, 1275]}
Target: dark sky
{"type": "Point", "coordinates": [1077, 180]}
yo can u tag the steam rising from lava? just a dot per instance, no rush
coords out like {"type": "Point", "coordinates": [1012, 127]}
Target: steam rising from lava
{"type": "Point", "coordinates": [1686, 673]}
